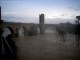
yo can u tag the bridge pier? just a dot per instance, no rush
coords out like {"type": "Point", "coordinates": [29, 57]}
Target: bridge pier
{"type": "Point", "coordinates": [41, 23]}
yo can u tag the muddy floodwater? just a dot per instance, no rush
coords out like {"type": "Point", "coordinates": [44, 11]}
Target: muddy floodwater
{"type": "Point", "coordinates": [47, 47]}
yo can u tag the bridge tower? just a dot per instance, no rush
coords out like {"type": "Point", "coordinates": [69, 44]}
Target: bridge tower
{"type": "Point", "coordinates": [41, 22]}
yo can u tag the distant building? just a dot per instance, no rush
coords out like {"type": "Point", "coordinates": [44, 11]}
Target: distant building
{"type": "Point", "coordinates": [41, 22]}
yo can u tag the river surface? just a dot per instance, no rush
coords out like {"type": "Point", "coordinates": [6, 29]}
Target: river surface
{"type": "Point", "coordinates": [47, 47]}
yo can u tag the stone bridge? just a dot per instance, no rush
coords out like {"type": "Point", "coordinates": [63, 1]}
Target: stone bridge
{"type": "Point", "coordinates": [15, 26]}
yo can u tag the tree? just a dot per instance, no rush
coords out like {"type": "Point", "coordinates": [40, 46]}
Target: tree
{"type": "Point", "coordinates": [77, 29]}
{"type": "Point", "coordinates": [78, 17]}
{"type": "Point", "coordinates": [61, 32]}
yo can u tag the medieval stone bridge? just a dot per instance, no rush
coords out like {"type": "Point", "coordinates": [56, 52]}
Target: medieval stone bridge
{"type": "Point", "coordinates": [26, 26]}
{"type": "Point", "coordinates": [15, 26]}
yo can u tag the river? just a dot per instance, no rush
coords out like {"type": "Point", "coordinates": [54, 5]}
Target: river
{"type": "Point", "coordinates": [47, 47]}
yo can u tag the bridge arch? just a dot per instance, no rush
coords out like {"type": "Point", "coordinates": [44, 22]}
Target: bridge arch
{"type": "Point", "coordinates": [50, 30]}
{"type": "Point", "coordinates": [20, 31]}
{"type": "Point", "coordinates": [11, 29]}
{"type": "Point", "coordinates": [8, 30]}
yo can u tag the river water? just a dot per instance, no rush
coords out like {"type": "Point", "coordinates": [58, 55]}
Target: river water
{"type": "Point", "coordinates": [47, 47]}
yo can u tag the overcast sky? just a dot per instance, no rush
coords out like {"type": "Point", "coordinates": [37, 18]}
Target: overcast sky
{"type": "Point", "coordinates": [56, 11]}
